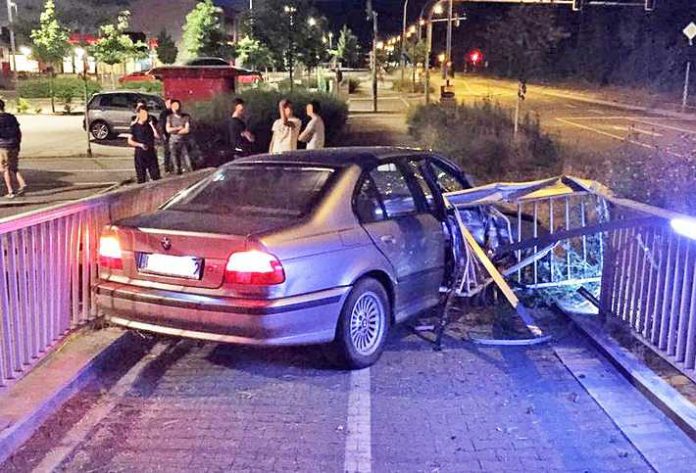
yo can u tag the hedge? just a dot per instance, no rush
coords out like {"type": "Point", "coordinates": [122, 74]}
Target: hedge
{"type": "Point", "coordinates": [147, 86]}
{"type": "Point", "coordinates": [210, 118]}
{"type": "Point", "coordinates": [62, 87]}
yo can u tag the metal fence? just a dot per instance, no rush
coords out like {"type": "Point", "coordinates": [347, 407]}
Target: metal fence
{"type": "Point", "coordinates": [649, 281]}
{"type": "Point", "coordinates": [48, 264]}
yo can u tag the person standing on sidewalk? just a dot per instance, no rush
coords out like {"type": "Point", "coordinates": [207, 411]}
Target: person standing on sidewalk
{"type": "Point", "coordinates": [239, 138]}
{"type": "Point", "coordinates": [286, 129]}
{"type": "Point", "coordinates": [179, 128]}
{"type": "Point", "coordinates": [142, 138]}
{"type": "Point", "coordinates": [10, 141]}
{"type": "Point", "coordinates": [314, 132]}
{"type": "Point", "coordinates": [165, 136]}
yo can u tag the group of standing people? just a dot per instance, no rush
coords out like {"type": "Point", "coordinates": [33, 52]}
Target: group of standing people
{"type": "Point", "coordinates": [173, 128]}
{"type": "Point", "coordinates": [286, 130]}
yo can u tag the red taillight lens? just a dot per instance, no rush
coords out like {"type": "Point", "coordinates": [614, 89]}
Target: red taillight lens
{"type": "Point", "coordinates": [254, 267]}
{"type": "Point", "coordinates": [110, 252]}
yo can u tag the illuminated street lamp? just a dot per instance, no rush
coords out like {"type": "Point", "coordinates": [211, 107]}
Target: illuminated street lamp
{"type": "Point", "coordinates": [312, 21]}
{"type": "Point", "coordinates": [441, 57]}
{"type": "Point", "coordinates": [438, 9]}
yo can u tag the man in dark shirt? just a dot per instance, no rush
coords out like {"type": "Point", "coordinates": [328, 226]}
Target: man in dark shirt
{"type": "Point", "coordinates": [142, 138]}
{"type": "Point", "coordinates": [10, 139]}
{"type": "Point", "coordinates": [239, 137]}
{"type": "Point", "coordinates": [165, 136]}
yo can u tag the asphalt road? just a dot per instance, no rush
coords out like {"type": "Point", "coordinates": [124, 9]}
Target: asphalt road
{"type": "Point", "coordinates": [593, 127]}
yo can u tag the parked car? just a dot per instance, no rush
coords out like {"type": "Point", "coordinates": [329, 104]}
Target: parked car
{"type": "Point", "coordinates": [142, 76]}
{"type": "Point", "coordinates": [309, 247]}
{"type": "Point", "coordinates": [111, 113]}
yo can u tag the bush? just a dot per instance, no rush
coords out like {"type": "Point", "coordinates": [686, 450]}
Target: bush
{"type": "Point", "coordinates": [210, 118]}
{"type": "Point", "coordinates": [40, 88]}
{"type": "Point", "coordinates": [22, 106]}
{"type": "Point", "coordinates": [407, 86]}
{"type": "Point", "coordinates": [146, 86]}
{"type": "Point", "coordinates": [480, 138]}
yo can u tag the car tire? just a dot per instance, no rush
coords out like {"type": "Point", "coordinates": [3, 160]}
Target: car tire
{"type": "Point", "coordinates": [100, 130]}
{"type": "Point", "coordinates": [362, 326]}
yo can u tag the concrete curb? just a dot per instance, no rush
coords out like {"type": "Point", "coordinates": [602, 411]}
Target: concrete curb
{"type": "Point", "coordinates": [24, 408]}
{"type": "Point", "coordinates": [655, 389]}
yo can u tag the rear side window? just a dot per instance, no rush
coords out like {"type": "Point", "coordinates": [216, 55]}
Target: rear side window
{"type": "Point", "coordinates": [396, 195]}
{"type": "Point", "coordinates": [116, 101]}
{"type": "Point", "coordinates": [271, 190]}
{"type": "Point", "coordinates": [368, 205]}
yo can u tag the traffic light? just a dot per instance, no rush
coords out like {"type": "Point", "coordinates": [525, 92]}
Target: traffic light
{"type": "Point", "coordinates": [650, 5]}
{"type": "Point", "coordinates": [578, 4]}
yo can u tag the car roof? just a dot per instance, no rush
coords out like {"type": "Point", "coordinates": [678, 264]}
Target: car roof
{"type": "Point", "coordinates": [336, 157]}
{"type": "Point", "coordinates": [125, 91]}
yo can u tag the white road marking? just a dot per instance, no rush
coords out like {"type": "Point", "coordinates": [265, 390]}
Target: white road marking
{"type": "Point", "coordinates": [667, 127]}
{"type": "Point", "coordinates": [636, 130]}
{"type": "Point", "coordinates": [96, 414]}
{"type": "Point", "coordinates": [593, 117]}
{"type": "Point", "coordinates": [616, 137]}
{"type": "Point", "coordinates": [569, 105]}
{"type": "Point", "coordinates": [358, 454]}
{"type": "Point", "coordinates": [594, 110]}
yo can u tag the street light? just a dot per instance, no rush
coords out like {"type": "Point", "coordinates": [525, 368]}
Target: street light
{"type": "Point", "coordinates": [290, 10]}
{"type": "Point", "coordinates": [312, 21]}
{"type": "Point", "coordinates": [438, 9]}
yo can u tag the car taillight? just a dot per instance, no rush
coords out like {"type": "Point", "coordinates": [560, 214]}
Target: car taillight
{"type": "Point", "coordinates": [110, 252]}
{"type": "Point", "coordinates": [254, 267]}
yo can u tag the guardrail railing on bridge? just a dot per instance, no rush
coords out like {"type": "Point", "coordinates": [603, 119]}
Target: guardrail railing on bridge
{"type": "Point", "coordinates": [48, 263]}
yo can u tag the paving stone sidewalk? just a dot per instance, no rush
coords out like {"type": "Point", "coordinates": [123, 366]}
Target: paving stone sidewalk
{"type": "Point", "coordinates": [207, 407]}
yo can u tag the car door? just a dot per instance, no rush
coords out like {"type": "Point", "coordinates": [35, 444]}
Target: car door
{"type": "Point", "coordinates": [393, 211]}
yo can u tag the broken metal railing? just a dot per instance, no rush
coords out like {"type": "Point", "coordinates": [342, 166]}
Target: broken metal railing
{"type": "Point", "coordinates": [636, 262]}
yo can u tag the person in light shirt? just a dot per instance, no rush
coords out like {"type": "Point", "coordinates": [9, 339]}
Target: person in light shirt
{"type": "Point", "coordinates": [286, 129]}
{"type": "Point", "coordinates": [313, 133]}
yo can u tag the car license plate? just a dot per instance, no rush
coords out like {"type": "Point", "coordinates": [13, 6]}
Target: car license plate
{"type": "Point", "coordinates": [178, 266]}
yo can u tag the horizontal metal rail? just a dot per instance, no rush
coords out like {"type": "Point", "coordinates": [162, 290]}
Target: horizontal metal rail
{"type": "Point", "coordinates": [48, 263]}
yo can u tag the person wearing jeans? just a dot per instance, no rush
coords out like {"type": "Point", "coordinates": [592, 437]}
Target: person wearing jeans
{"type": "Point", "coordinates": [179, 128]}
{"type": "Point", "coordinates": [168, 168]}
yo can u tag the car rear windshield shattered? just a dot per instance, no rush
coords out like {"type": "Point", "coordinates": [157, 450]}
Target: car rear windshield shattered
{"type": "Point", "coordinates": [273, 190]}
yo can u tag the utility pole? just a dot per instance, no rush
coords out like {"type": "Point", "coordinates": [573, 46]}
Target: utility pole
{"type": "Point", "coordinates": [372, 15]}
{"type": "Point", "coordinates": [448, 53]}
{"type": "Point", "coordinates": [13, 45]}
{"type": "Point", "coordinates": [690, 33]}
{"type": "Point", "coordinates": [403, 43]}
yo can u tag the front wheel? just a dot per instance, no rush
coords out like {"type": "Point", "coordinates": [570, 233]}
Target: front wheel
{"type": "Point", "coordinates": [100, 130]}
{"type": "Point", "coordinates": [363, 325]}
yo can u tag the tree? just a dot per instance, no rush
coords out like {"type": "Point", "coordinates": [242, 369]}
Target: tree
{"type": "Point", "coordinates": [523, 39]}
{"type": "Point", "coordinates": [50, 43]}
{"type": "Point", "coordinates": [166, 49]}
{"type": "Point", "coordinates": [253, 54]}
{"type": "Point", "coordinates": [114, 46]}
{"type": "Point", "coordinates": [347, 49]}
{"type": "Point", "coordinates": [204, 33]}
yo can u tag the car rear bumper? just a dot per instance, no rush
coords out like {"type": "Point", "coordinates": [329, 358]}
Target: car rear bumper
{"type": "Point", "coordinates": [300, 320]}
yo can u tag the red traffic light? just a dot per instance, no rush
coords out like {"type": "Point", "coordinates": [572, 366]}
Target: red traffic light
{"type": "Point", "coordinates": [475, 56]}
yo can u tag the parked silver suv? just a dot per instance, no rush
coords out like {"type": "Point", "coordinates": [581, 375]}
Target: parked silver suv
{"type": "Point", "coordinates": [111, 113]}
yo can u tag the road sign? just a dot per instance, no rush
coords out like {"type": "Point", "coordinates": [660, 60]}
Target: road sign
{"type": "Point", "coordinates": [690, 31]}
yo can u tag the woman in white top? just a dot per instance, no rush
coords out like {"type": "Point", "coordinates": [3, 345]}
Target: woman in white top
{"type": "Point", "coordinates": [286, 129]}
{"type": "Point", "coordinates": [313, 134]}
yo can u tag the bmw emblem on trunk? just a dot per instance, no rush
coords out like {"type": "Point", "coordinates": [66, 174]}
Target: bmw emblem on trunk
{"type": "Point", "coordinates": [166, 243]}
